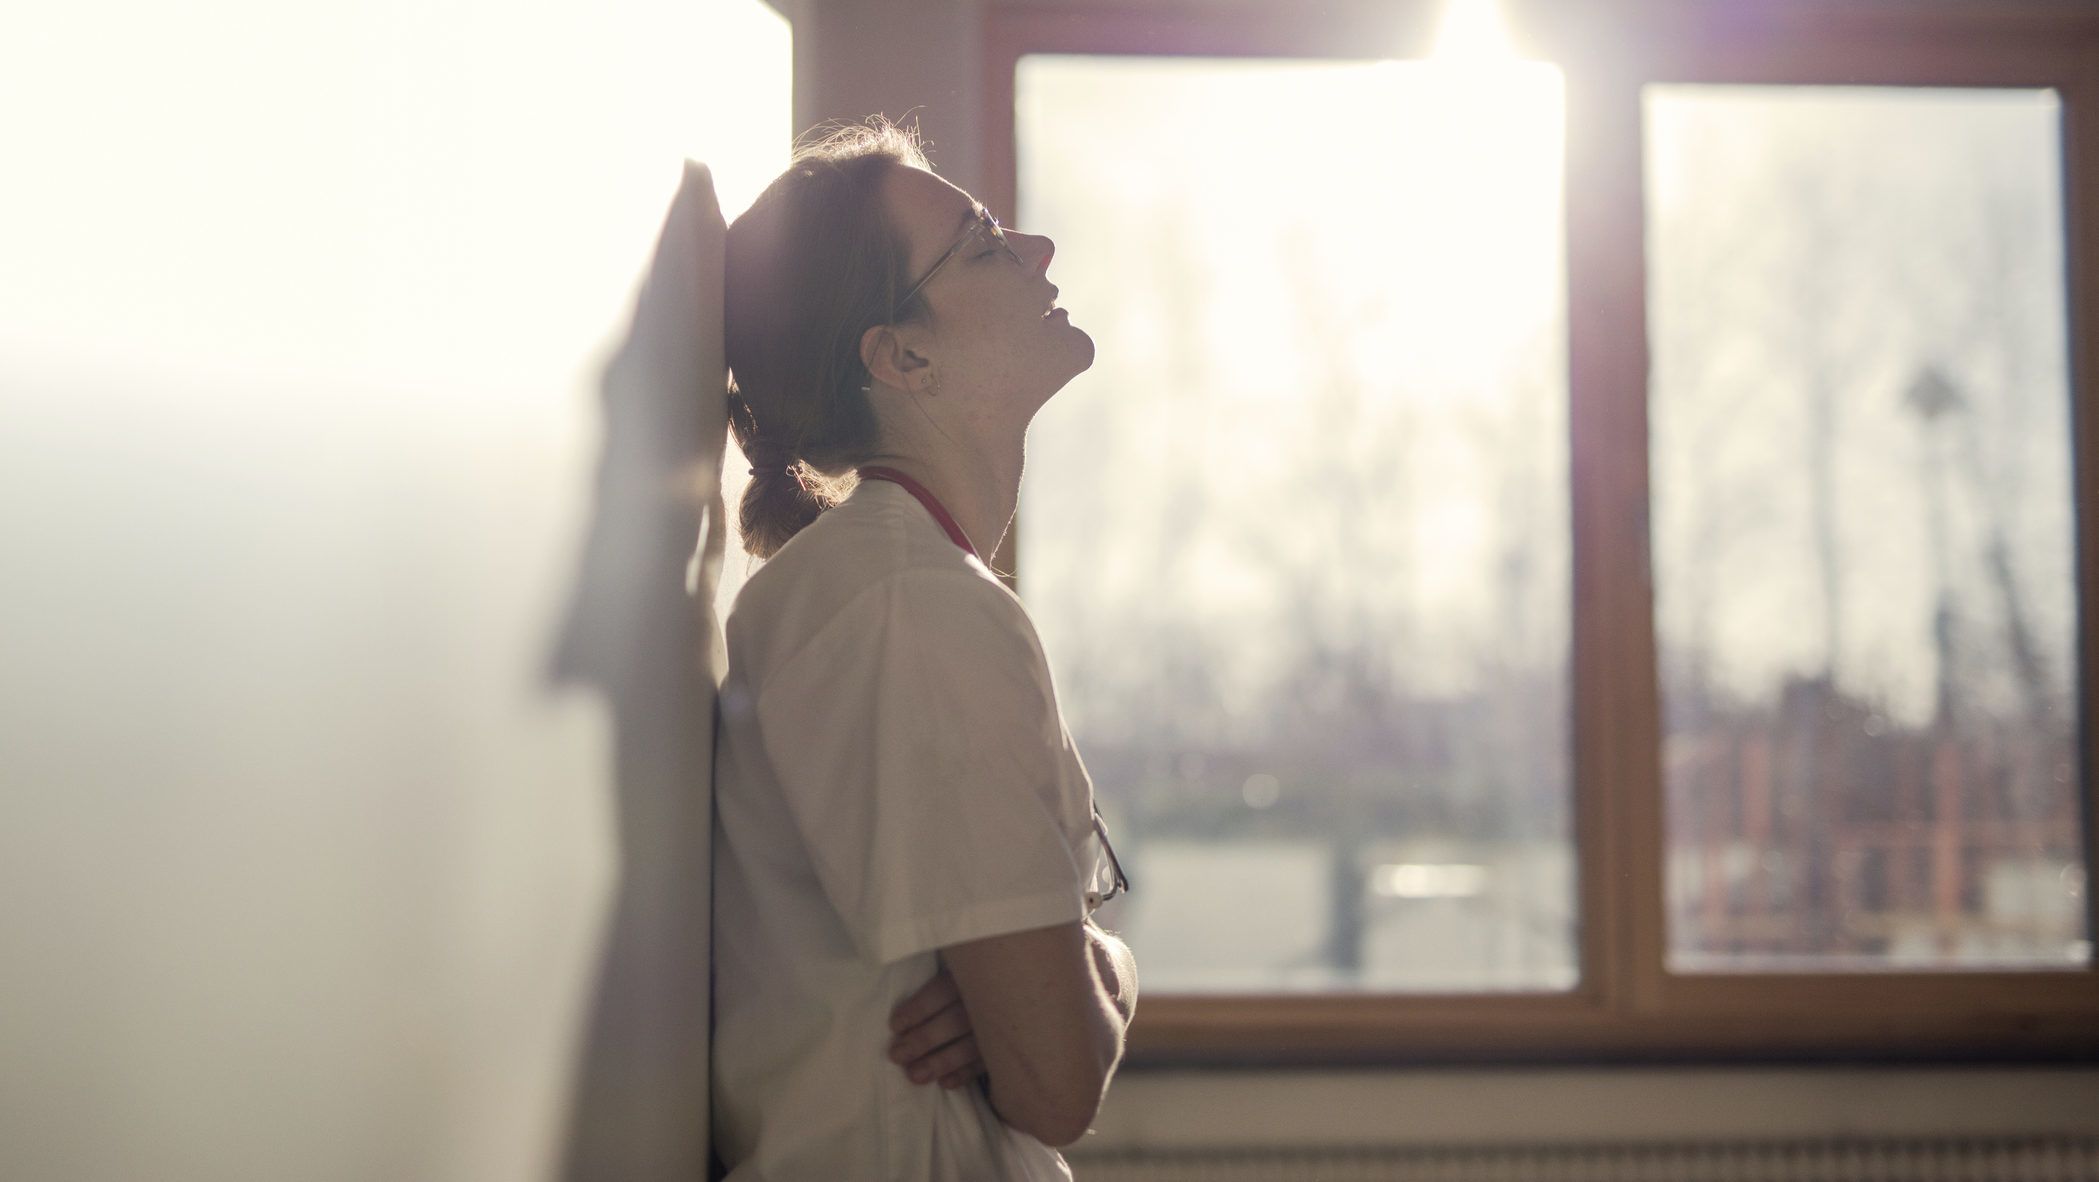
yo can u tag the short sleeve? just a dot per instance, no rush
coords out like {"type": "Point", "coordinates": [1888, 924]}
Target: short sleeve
{"type": "Point", "coordinates": [919, 748]}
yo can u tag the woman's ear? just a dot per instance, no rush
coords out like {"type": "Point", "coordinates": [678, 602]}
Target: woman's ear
{"type": "Point", "coordinates": [884, 353]}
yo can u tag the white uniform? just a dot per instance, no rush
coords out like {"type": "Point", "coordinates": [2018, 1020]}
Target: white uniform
{"type": "Point", "coordinates": [892, 776]}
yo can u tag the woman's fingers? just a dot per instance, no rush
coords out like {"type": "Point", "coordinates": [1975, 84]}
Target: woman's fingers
{"type": "Point", "coordinates": [931, 998]}
{"type": "Point", "coordinates": [930, 1035]}
{"type": "Point", "coordinates": [952, 1065]}
{"type": "Point", "coordinates": [933, 1038]}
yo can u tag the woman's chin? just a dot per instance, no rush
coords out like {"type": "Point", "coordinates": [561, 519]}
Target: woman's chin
{"type": "Point", "coordinates": [1081, 340]}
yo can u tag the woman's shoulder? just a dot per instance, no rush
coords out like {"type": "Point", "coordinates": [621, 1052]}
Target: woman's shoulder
{"type": "Point", "coordinates": [867, 565]}
{"type": "Point", "coordinates": [878, 534]}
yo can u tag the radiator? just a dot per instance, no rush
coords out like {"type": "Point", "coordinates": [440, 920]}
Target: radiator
{"type": "Point", "coordinates": [1964, 1159]}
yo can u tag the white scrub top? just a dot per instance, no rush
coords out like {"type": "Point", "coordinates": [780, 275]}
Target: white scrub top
{"type": "Point", "coordinates": [892, 775]}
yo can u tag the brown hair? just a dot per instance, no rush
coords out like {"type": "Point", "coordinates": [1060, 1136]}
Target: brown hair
{"type": "Point", "coordinates": [812, 265]}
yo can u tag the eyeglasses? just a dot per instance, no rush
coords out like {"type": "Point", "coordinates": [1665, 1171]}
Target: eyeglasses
{"type": "Point", "coordinates": [984, 223]}
{"type": "Point", "coordinates": [1120, 882]}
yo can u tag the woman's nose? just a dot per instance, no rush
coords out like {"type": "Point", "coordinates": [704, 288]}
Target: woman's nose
{"type": "Point", "coordinates": [1048, 248]}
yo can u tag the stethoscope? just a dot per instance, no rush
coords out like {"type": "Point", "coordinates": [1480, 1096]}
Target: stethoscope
{"type": "Point", "coordinates": [1121, 881]}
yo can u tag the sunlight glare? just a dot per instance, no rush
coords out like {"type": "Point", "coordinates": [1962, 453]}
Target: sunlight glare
{"type": "Point", "coordinates": [1403, 302]}
{"type": "Point", "coordinates": [1474, 33]}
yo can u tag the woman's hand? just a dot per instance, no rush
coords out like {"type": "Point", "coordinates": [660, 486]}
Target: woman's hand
{"type": "Point", "coordinates": [933, 1039]}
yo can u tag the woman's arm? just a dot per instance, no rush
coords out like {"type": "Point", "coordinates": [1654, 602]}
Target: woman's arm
{"type": "Point", "coordinates": [1047, 1022]}
{"type": "Point", "coordinates": [933, 1042]}
{"type": "Point", "coordinates": [1117, 969]}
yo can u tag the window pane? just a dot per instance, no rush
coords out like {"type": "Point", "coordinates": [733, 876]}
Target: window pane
{"type": "Point", "coordinates": [1863, 528]}
{"type": "Point", "coordinates": [1297, 542]}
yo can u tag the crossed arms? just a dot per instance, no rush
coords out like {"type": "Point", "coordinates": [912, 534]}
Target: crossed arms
{"type": "Point", "coordinates": [1040, 1015]}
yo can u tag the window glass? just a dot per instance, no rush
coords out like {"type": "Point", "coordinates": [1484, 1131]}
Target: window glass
{"type": "Point", "coordinates": [1297, 543]}
{"type": "Point", "coordinates": [1862, 528]}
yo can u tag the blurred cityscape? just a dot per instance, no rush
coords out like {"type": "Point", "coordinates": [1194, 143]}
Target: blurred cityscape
{"type": "Point", "coordinates": [1298, 542]}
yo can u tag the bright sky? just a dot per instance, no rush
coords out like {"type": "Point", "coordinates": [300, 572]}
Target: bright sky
{"type": "Point", "coordinates": [1372, 252]}
{"type": "Point", "coordinates": [1305, 275]}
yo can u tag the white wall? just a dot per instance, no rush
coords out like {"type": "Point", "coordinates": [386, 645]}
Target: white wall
{"type": "Point", "coordinates": [354, 723]}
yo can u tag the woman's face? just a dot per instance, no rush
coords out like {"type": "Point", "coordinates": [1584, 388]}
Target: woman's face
{"type": "Point", "coordinates": [991, 336]}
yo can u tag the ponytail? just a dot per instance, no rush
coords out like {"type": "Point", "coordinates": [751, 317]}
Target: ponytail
{"type": "Point", "coordinates": [784, 495]}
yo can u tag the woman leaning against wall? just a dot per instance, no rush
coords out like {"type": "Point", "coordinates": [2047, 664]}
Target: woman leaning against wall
{"type": "Point", "coordinates": [906, 851]}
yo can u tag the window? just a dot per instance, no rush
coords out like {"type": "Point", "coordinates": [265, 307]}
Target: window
{"type": "Point", "coordinates": [1861, 468]}
{"type": "Point", "coordinates": [1418, 743]}
{"type": "Point", "coordinates": [1297, 544]}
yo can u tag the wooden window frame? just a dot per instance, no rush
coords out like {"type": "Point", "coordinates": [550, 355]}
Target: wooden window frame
{"type": "Point", "coordinates": [1627, 1006]}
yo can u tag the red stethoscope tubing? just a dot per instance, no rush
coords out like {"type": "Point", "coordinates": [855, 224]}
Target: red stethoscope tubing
{"type": "Point", "coordinates": [925, 497]}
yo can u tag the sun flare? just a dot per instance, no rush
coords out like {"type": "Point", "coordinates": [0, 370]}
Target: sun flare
{"type": "Point", "coordinates": [1474, 32]}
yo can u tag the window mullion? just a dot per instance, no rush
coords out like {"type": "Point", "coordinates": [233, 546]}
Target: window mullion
{"type": "Point", "coordinates": [1616, 721]}
{"type": "Point", "coordinates": [2081, 178]}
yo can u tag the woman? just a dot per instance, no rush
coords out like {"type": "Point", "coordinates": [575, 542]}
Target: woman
{"type": "Point", "coordinates": [906, 852]}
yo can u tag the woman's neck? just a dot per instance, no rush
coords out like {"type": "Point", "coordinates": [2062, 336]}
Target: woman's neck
{"type": "Point", "coordinates": [979, 490]}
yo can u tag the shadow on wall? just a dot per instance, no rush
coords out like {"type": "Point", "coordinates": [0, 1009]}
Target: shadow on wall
{"type": "Point", "coordinates": [634, 632]}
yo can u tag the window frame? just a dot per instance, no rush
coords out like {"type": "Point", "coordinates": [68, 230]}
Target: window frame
{"type": "Point", "coordinates": [1627, 1005]}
